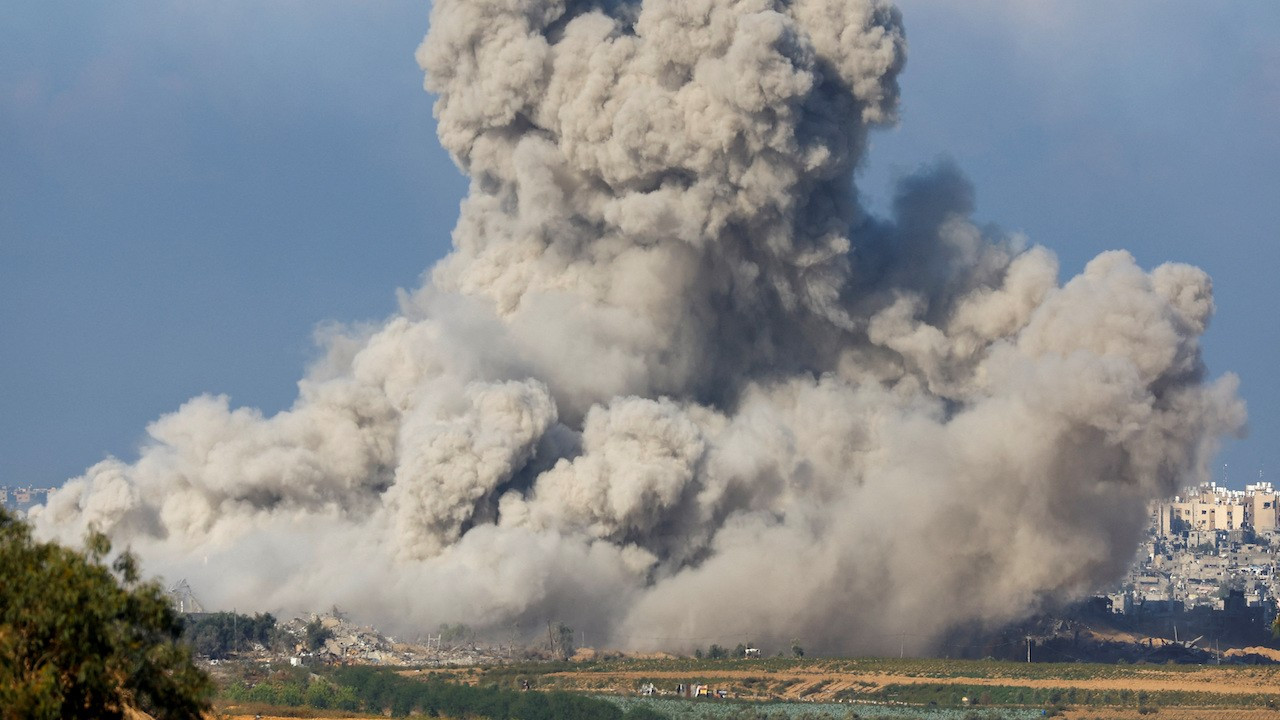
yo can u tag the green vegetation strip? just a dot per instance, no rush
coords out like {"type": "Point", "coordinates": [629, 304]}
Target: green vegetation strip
{"type": "Point", "coordinates": [381, 690]}
{"type": "Point", "coordinates": [947, 694]}
{"type": "Point", "coordinates": [384, 691]}
{"type": "Point", "coordinates": [688, 709]}
{"type": "Point", "coordinates": [912, 667]}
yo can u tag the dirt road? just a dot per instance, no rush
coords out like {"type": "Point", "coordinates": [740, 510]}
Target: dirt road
{"type": "Point", "coordinates": [822, 685]}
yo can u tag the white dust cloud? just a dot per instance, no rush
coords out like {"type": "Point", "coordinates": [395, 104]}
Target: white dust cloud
{"type": "Point", "coordinates": [673, 383]}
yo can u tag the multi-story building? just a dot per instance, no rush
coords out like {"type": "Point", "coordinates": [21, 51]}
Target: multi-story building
{"type": "Point", "coordinates": [1212, 508]}
{"type": "Point", "coordinates": [1260, 508]}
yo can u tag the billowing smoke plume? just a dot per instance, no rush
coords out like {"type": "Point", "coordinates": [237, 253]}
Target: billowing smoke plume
{"type": "Point", "coordinates": [674, 383]}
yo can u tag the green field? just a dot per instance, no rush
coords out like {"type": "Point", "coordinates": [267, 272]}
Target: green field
{"type": "Point", "coordinates": [774, 688]}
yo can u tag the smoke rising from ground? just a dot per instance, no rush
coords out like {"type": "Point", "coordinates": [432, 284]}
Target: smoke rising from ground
{"type": "Point", "coordinates": [674, 383]}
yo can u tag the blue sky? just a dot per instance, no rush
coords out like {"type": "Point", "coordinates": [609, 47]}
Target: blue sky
{"type": "Point", "coordinates": [188, 190]}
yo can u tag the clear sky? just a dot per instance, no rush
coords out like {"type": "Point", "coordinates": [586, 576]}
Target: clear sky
{"type": "Point", "coordinates": [188, 190]}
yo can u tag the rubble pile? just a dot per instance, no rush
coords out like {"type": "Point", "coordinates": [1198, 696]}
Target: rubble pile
{"type": "Point", "coordinates": [1079, 635]}
{"type": "Point", "coordinates": [349, 643]}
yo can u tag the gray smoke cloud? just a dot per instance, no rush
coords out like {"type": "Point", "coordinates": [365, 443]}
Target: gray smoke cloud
{"type": "Point", "coordinates": [674, 383]}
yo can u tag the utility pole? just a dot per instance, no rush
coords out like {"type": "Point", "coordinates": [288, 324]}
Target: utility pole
{"type": "Point", "coordinates": [1028, 648]}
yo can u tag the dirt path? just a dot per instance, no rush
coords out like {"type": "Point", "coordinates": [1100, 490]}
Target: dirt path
{"type": "Point", "coordinates": [823, 685]}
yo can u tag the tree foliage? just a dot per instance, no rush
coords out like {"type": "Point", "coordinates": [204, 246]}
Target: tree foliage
{"type": "Point", "coordinates": [316, 634]}
{"type": "Point", "coordinates": [219, 634]}
{"type": "Point", "coordinates": [563, 645]}
{"type": "Point", "coordinates": [81, 639]}
{"type": "Point", "coordinates": [383, 691]}
{"type": "Point", "coordinates": [456, 633]}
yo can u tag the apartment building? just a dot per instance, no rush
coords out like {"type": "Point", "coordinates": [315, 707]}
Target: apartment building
{"type": "Point", "coordinates": [1212, 508]}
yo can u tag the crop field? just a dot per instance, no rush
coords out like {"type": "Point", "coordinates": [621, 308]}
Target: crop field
{"type": "Point", "coordinates": [912, 688]}
{"type": "Point", "coordinates": [685, 709]}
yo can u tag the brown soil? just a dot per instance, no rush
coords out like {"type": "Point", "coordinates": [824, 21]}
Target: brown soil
{"type": "Point", "coordinates": [1265, 652]}
{"type": "Point", "coordinates": [818, 685]}
{"type": "Point", "coordinates": [250, 712]}
{"type": "Point", "coordinates": [251, 716]}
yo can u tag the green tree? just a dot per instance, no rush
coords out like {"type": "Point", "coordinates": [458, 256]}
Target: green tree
{"type": "Point", "coordinates": [456, 633]}
{"type": "Point", "coordinates": [564, 641]}
{"type": "Point", "coordinates": [317, 634]}
{"type": "Point", "coordinates": [796, 650]}
{"type": "Point", "coordinates": [217, 635]}
{"type": "Point", "coordinates": [715, 652]}
{"type": "Point", "coordinates": [321, 694]}
{"type": "Point", "coordinates": [81, 639]}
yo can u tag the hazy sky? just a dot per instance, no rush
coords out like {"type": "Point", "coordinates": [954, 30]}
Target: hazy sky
{"type": "Point", "coordinates": [188, 190]}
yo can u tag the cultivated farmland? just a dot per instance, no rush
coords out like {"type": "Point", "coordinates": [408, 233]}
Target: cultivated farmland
{"type": "Point", "coordinates": [917, 687]}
